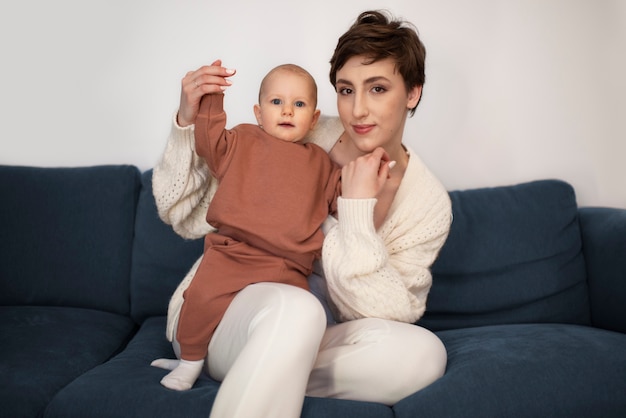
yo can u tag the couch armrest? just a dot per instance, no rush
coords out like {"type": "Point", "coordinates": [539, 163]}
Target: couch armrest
{"type": "Point", "coordinates": [604, 247]}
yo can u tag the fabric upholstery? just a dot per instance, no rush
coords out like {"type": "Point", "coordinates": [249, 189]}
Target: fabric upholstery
{"type": "Point", "coordinates": [161, 258]}
{"type": "Point", "coordinates": [42, 349]}
{"type": "Point", "coordinates": [526, 370]}
{"type": "Point", "coordinates": [514, 255]}
{"type": "Point", "coordinates": [139, 393]}
{"type": "Point", "coordinates": [604, 246]}
{"type": "Point", "coordinates": [87, 269]}
{"type": "Point", "coordinates": [67, 236]}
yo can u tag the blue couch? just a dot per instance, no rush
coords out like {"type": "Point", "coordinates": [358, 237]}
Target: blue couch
{"type": "Point", "coordinates": [529, 297]}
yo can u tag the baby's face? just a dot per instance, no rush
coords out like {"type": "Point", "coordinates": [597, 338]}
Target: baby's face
{"type": "Point", "coordinates": [287, 106]}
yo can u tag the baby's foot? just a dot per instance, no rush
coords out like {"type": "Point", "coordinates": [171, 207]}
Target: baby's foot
{"type": "Point", "coordinates": [184, 375]}
{"type": "Point", "coordinates": [165, 363]}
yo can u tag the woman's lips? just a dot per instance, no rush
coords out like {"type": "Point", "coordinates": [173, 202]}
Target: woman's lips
{"type": "Point", "coordinates": [362, 129]}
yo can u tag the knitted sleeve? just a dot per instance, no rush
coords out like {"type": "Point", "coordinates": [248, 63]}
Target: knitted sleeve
{"type": "Point", "coordinates": [182, 185]}
{"type": "Point", "coordinates": [385, 273]}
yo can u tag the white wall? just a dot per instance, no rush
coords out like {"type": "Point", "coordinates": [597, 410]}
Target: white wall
{"type": "Point", "coordinates": [516, 90]}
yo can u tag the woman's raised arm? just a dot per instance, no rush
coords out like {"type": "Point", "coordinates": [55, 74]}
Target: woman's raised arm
{"type": "Point", "coordinates": [181, 183]}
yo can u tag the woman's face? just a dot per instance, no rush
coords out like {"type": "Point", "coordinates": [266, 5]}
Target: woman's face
{"type": "Point", "coordinates": [373, 103]}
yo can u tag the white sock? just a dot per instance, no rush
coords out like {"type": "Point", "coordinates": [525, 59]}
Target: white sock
{"type": "Point", "coordinates": [165, 363]}
{"type": "Point", "coordinates": [184, 375]}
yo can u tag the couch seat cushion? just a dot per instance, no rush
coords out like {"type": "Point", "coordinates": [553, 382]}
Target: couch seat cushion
{"type": "Point", "coordinates": [45, 348]}
{"type": "Point", "coordinates": [530, 370]}
{"type": "Point", "coordinates": [127, 386]}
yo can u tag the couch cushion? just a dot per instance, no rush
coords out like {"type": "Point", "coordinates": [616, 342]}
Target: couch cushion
{"type": "Point", "coordinates": [161, 258]}
{"type": "Point", "coordinates": [526, 370]}
{"type": "Point", "coordinates": [45, 348]}
{"type": "Point", "coordinates": [513, 255]}
{"type": "Point", "coordinates": [127, 386]}
{"type": "Point", "coordinates": [67, 236]}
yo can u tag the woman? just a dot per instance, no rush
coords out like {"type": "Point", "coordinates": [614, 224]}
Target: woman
{"type": "Point", "coordinates": [273, 338]}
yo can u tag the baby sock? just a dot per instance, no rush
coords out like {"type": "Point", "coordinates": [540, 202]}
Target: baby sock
{"type": "Point", "coordinates": [165, 363]}
{"type": "Point", "coordinates": [184, 375]}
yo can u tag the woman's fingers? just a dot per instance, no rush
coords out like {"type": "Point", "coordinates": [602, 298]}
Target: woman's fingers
{"type": "Point", "coordinates": [210, 78]}
{"type": "Point", "coordinates": [207, 79]}
{"type": "Point", "coordinates": [365, 176]}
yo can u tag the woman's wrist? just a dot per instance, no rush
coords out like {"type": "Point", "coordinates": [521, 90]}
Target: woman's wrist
{"type": "Point", "coordinates": [180, 135]}
{"type": "Point", "coordinates": [356, 214]}
{"type": "Point", "coordinates": [181, 124]}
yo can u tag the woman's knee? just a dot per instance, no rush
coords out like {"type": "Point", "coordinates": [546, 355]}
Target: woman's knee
{"type": "Point", "coordinates": [298, 308]}
{"type": "Point", "coordinates": [270, 317]}
{"type": "Point", "coordinates": [306, 308]}
{"type": "Point", "coordinates": [356, 354]}
{"type": "Point", "coordinates": [424, 356]}
{"type": "Point", "coordinates": [414, 357]}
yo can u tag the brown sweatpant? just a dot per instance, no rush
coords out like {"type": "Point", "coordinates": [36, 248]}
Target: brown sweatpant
{"type": "Point", "coordinates": [226, 268]}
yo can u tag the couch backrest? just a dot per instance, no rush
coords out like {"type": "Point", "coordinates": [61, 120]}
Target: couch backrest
{"type": "Point", "coordinates": [66, 236]}
{"type": "Point", "coordinates": [161, 258]}
{"type": "Point", "coordinates": [513, 255]}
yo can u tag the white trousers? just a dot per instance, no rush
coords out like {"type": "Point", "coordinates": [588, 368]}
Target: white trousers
{"type": "Point", "coordinates": [273, 347]}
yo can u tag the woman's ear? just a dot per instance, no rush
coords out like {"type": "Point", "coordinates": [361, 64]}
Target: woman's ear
{"type": "Point", "coordinates": [414, 97]}
{"type": "Point", "coordinates": [257, 115]}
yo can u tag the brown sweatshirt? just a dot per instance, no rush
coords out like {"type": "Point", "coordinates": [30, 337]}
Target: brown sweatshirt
{"type": "Point", "coordinates": [272, 194]}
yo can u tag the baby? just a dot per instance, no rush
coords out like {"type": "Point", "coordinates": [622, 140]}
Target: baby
{"type": "Point", "coordinates": [274, 194]}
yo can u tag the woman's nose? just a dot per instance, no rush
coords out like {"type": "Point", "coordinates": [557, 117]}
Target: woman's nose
{"type": "Point", "coordinates": [359, 108]}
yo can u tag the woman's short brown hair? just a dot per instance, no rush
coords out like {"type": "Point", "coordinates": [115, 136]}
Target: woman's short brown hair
{"type": "Point", "coordinates": [377, 36]}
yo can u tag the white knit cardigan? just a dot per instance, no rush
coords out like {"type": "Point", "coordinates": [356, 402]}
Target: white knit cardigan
{"type": "Point", "coordinates": [369, 273]}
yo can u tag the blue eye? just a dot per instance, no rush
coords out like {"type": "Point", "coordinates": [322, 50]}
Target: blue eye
{"type": "Point", "coordinates": [276, 101]}
{"type": "Point", "coordinates": [300, 104]}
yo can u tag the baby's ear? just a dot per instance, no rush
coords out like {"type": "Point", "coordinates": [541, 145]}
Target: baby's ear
{"type": "Point", "coordinates": [257, 114]}
{"type": "Point", "coordinates": [316, 117]}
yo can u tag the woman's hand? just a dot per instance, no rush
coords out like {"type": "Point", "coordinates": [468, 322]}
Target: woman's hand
{"type": "Point", "coordinates": [205, 80]}
{"type": "Point", "coordinates": [364, 177]}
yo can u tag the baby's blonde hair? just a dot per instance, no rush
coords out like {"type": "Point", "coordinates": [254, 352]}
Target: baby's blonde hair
{"type": "Point", "coordinates": [294, 69]}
